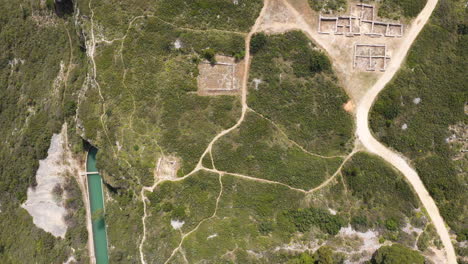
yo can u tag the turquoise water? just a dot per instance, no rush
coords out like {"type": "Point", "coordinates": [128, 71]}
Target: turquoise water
{"type": "Point", "coordinates": [97, 204]}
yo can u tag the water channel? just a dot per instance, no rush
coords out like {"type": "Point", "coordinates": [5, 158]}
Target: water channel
{"type": "Point", "coordinates": [96, 198]}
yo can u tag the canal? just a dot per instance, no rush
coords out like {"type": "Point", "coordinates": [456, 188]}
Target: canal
{"type": "Point", "coordinates": [96, 198]}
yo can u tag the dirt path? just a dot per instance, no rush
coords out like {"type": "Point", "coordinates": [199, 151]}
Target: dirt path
{"type": "Point", "coordinates": [362, 114]}
{"type": "Point", "coordinates": [184, 236]}
{"type": "Point", "coordinates": [210, 145]}
{"type": "Point", "coordinates": [244, 86]}
{"type": "Point", "coordinates": [362, 132]}
{"type": "Point", "coordinates": [280, 130]}
{"type": "Point", "coordinates": [364, 135]}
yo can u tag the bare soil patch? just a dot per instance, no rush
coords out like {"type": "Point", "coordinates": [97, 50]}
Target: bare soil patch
{"type": "Point", "coordinates": [349, 106]}
{"type": "Point", "coordinates": [340, 48]}
{"type": "Point", "coordinates": [221, 78]}
{"type": "Point", "coordinates": [458, 140]}
{"type": "Point", "coordinates": [166, 169]}
{"type": "Point", "coordinates": [277, 18]}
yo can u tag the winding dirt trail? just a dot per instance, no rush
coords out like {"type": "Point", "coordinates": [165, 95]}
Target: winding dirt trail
{"type": "Point", "coordinates": [367, 139]}
{"type": "Point", "coordinates": [243, 89]}
{"type": "Point", "coordinates": [362, 115]}
{"type": "Point", "coordinates": [210, 145]}
{"type": "Point", "coordinates": [362, 130]}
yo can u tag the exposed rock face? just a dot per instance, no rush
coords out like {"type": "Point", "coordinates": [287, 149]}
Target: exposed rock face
{"type": "Point", "coordinates": [47, 208]}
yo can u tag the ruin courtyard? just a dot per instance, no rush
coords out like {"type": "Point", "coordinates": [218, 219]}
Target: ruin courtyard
{"type": "Point", "coordinates": [224, 77]}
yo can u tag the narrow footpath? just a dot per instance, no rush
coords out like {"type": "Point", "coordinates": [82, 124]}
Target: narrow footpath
{"type": "Point", "coordinates": [363, 133]}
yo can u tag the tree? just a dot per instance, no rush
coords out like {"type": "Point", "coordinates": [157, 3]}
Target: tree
{"type": "Point", "coordinates": [304, 258]}
{"type": "Point", "coordinates": [257, 42]}
{"type": "Point", "coordinates": [396, 254]}
{"type": "Point", "coordinates": [319, 62]}
{"type": "Point", "coordinates": [50, 4]}
{"type": "Point", "coordinates": [209, 54]}
{"type": "Point", "coordinates": [323, 255]}
{"type": "Point", "coordinates": [391, 224]}
{"type": "Point", "coordinates": [69, 108]}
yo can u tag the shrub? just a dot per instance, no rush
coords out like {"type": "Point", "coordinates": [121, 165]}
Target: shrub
{"type": "Point", "coordinates": [265, 228]}
{"type": "Point", "coordinates": [396, 254]}
{"type": "Point", "coordinates": [319, 62]}
{"type": "Point", "coordinates": [360, 222]}
{"type": "Point", "coordinates": [179, 213]}
{"type": "Point", "coordinates": [210, 55]}
{"type": "Point", "coordinates": [304, 219]}
{"type": "Point", "coordinates": [333, 5]}
{"type": "Point", "coordinates": [391, 224]}
{"type": "Point", "coordinates": [435, 71]}
{"type": "Point", "coordinates": [50, 4]}
{"type": "Point", "coordinates": [257, 42]}
{"type": "Point", "coordinates": [323, 255]}
{"type": "Point", "coordinates": [239, 56]}
{"type": "Point", "coordinates": [69, 108]}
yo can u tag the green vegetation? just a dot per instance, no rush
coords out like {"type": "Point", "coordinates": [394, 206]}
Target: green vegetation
{"type": "Point", "coordinates": [328, 5]}
{"type": "Point", "coordinates": [376, 183]}
{"type": "Point", "coordinates": [323, 255]}
{"type": "Point", "coordinates": [189, 201]}
{"type": "Point", "coordinates": [386, 196]}
{"type": "Point", "coordinates": [257, 42]}
{"type": "Point", "coordinates": [245, 208]}
{"type": "Point", "coordinates": [190, 14]}
{"type": "Point", "coordinates": [149, 105]}
{"type": "Point", "coordinates": [50, 4]}
{"type": "Point", "coordinates": [304, 219]}
{"type": "Point", "coordinates": [143, 104]}
{"type": "Point", "coordinates": [299, 93]}
{"type": "Point", "coordinates": [156, 110]}
{"type": "Point", "coordinates": [209, 55]}
{"type": "Point", "coordinates": [394, 9]}
{"type": "Point", "coordinates": [31, 110]}
{"type": "Point", "coordinates": [428, 238]}
{"type": "Point", "coordinates": [124, 227]}
{"type": "Point", "coordinates": [204, 14]}
{"type": "Point", "coordinates": [435, 72]}
{"type": "Point", "coordinates": [258, 149]}
{"type": "Point", "coordinates": [396, 254]}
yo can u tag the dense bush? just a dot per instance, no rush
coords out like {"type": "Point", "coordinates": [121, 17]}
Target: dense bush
{"type": "Point", "coordinates": [258, 149]}
{"type": "Point", "coordinates": [323, 255]}
{"type": "Point", "coordinates": [396, 254]}
{"type": "Point", "coordinates": [304, 219]}
{"type": "Point", "coordinates": [396, 8]}
{"type": "Point", "coordinates": [332, 5]}
{"type": "Point", "coordinates": [257, 42]}
{"type": "Point", "coordinates": [299, 92]}
{"type": "Point", "coordinates": [30, 112]}
{"type": "Point", "coordinates": [374, 181]}
{"type": "Point", "coordinates": [435, 72]}
{"type": "Point", "coordinates": [50, 4]}
{"type": "Point", "coordinates": [210, 14]}
{"type": "Point", "coordinates": [247, 219]}
{"type": "Point", "coordinates": [209, 54]}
